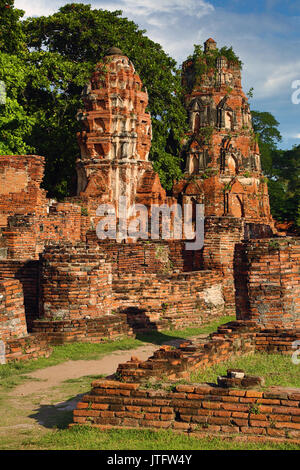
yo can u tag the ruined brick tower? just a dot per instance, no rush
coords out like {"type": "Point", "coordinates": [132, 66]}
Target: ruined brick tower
{"type": "Point", "coordinates": [116, 138]}
{"type": "Point", "coordinates": [223, 168]}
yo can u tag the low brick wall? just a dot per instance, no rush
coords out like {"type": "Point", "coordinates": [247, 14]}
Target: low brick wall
{"type": "Point", "coordinates": [148, 256]}
{"type": "Point", "coordinates": [273, 413]}
{"type": "Point", "coordinates": [108, 327]}
{"type": "Point", "coordinates": [78, 282]}
{"type": "Point", "coordinates": [176, 300]}
{"type": "Point", "coordinates": [32, 346]}
{"type": "Point", "coordinates": [230, 340]}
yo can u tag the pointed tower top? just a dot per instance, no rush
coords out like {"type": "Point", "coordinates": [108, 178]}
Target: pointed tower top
{"type": "Point", "coordinates": [210, 45]}
{"type": "Point", "coordinates": [114, 51]}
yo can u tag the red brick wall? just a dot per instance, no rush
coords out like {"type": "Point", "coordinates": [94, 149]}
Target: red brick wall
{"type": "Point", "coordinates": [28, 274]}
{"type": "Point", "coordinates": [75, 283]}
{"type": "Point", "coordinates": [94, 330]}
{"type": "Point", "coordinates": [148, 256]}
{"type": "Point", "coordinates": [221, 236]}
{"type": "Point", "coordinates": [31, 346]}
{"type": "Point", "coordinates": [161, 301]}
{"type": "Point", "coordinates": [27, 235]}
{"type": "Point", "coordinates": [20, 192]}
{"type": "Point", "coordinates": [267, 282]}
{"type": "Point", "coordinates": [230, 340]}
{"type": "Point", "coordinates": [195, 407]}
{"type": "Point", "coordinates": [12, 314]}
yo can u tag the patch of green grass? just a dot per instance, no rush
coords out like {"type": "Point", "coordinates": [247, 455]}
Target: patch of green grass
{"type": "Point", "coordinates": [10, 374]}
{"type": "Point", "coordinates": [160, 337]}
{"type": "Point", "coordinates": [278, 370]}
{"type": "Point", "coordinates": [86, 438]}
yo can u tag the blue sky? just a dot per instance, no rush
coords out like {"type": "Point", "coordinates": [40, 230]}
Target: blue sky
{"type": "Point", "coordinates": [265, 35]}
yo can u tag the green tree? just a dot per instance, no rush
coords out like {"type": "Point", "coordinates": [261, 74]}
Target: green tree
{"type": "Point", "coordinates": [12, 38]}
{"type": "Point", "coordinates": [64, 50]}
{"type": "Point", "coordinates": [266, 128]}
{"type": "Point", "coordinates": [15, 121]}
{"type": "Point", "coordinates": [282, 167]}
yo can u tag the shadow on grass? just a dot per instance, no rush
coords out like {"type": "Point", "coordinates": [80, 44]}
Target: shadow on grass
{"type": "Point", "coordinates": [155, 337]}
{"type": "Point", "coordinates": [57, 416]}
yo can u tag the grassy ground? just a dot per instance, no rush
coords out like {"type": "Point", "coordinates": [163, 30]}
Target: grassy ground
{"type": "Point", "coordinates": [83, 437]}
{"type": "Point", "coordinates": [159, 337]}
{"type": "Point", "coordinates": [40, 421]}
{"type": "Point", "coordinates": [13, 373]}
{"type": "Point", "coordinates": [276, 369]}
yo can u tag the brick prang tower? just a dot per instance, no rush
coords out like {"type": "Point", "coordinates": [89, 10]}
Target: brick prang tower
{"type": "Point", "coordinates": [223, 168]}
{"type": "Point", "coordinates": [116, 136]}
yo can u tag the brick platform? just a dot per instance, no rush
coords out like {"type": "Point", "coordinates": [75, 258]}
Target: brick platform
{"type": "Point", "coordinates": [274, 412]}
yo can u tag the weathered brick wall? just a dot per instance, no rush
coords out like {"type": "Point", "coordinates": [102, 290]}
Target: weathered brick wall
{"type": "Point", "coordinates": [148, 256]}
{"type": "Point", "coordinates": [75, 283]}
{"type": "Point", "coordinates": [230, 340]}
{"type": "Point", "coordinates": [20, 192]}
{"type": "Point", "coordinates": [27, 347]}
{"type": "Point", "coordinates": [221, 236]}
{"type": "Point", "coordinates": [12, 314]}
{"type": "Point", "coordinates": [195, 407]}
{"type": "Point", "coordinates": [267, 282]}
{"type": "Point", "coordinates": [27, 272]}
{"type": "Point", "coordinates": [26, 235]}
{"type": "Point", "coordinates": [106, 328]}
{"type": "Point", "coordinates": [161, 301]}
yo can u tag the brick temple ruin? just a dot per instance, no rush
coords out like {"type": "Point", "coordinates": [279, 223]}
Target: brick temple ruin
{"type": "Point", "coordinates": [60, 283]}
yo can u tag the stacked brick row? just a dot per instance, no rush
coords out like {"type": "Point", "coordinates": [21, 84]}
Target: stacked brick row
{"type": "Point", "coordinates": [31, 346]}
{"type": "Point", "coordinates": [272, 413]}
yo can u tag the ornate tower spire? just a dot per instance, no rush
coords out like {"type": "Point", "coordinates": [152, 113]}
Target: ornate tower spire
{"type": "Point", "coordinates": [116, 134]}
{"type": "Point", "coordinates": [222, 156]}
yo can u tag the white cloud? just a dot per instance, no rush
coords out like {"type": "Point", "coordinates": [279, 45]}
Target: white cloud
{"type": "Point", "coordinates": [38, 7]}
{"type": "Point", "coordinates": [147, 8]}
{"type": "Point", "coordinates": [135, 8]}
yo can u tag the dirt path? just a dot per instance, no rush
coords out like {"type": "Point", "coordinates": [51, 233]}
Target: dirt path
{"type": "Point", "coordinates": [53, 376]}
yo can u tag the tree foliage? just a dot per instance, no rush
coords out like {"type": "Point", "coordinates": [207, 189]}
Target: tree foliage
{"type": "Point", "coordinates": [65, 48]}
{"type": "Point", "coordinates": [282, 167]}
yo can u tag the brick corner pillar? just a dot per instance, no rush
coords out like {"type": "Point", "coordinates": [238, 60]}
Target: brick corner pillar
{"type": "Point", "coordinates": [12, 313]}
{"type": "Point", "coordinates": [75, 283]}
{"type": "Point", "coordinates": [267, 282]}
{"type": "Point", "coordinates": [222, 234]}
